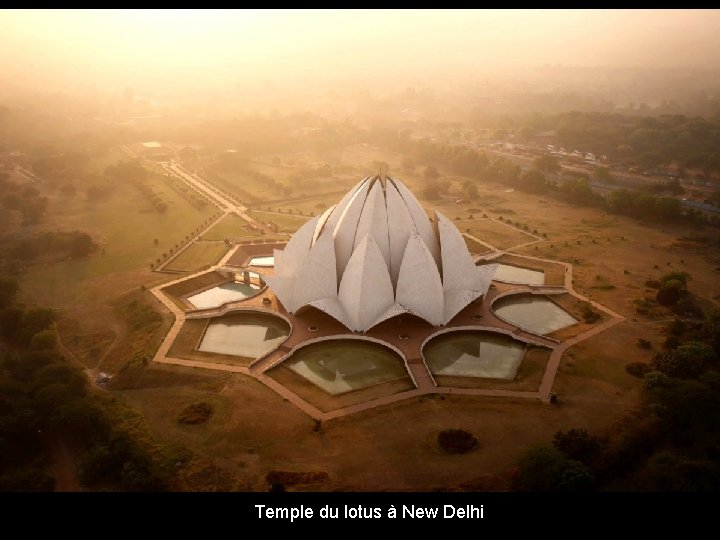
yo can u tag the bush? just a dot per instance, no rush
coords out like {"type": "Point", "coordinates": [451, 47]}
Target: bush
{"type": "Point", "coordinates": [652, 284]}
{"type": "Point", "coordinates": [456, 441]}
{"type": "Point", "coordinates": [638, 369]}
{"type": "Point", "coordinates": [544, 468]}
{"type": "Point", "coordinates": [686, 307]}
{"type": "Point", "coordinates": [197, 413]}
{"type": "Point", "coordinates": [676, 328]}
{"type": "Point", "coordinates": [670, 292]}
{"type": "Point", "coordinates": [578, 444]}
{"type": "Point", "coordinates": [589, 314]}
{"type": "Point", "coordinates": [688, 361]}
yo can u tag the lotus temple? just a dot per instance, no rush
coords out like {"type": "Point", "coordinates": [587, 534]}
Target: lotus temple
{"type": "Point", "coordinates": [374, 302]}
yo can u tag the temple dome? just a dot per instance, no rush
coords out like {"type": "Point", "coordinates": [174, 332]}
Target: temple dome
{"type": "Point", "coordinates": [375, 255]}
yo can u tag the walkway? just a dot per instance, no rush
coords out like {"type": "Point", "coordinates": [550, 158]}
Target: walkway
{"type": "Point", "coordinates": [418, 370]}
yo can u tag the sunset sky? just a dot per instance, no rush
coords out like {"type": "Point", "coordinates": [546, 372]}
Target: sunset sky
{"type": "Point", "coordinates": [196, 47]}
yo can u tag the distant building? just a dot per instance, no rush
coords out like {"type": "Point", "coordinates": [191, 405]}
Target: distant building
{"type": "Point", "coordinates": [152, 150]}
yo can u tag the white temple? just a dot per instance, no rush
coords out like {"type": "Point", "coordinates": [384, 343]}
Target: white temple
{"type": "Point", "coordinates": [375, 255]}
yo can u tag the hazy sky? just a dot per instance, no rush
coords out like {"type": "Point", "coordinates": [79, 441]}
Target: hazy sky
{"type": "Point", "coordinates": [107, 48]}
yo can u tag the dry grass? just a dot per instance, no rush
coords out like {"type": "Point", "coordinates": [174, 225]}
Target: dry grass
{"type": "Point", "coordinates": [254, 431]}
{"type": "Point", "coordinates": [500, 235]}
{"type": "Point", "coordinates": [198, 255]}
{"type": "Point", "coordinates": [198, 282]}
{"type": "Point", "coordinates": [286, 222]}
{"type": "Point", "coordinates": [231, 227]}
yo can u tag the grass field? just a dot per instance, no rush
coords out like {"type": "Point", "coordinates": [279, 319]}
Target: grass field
{"type": "Point", "coordinates": [200, 253]}
{"type": "Point", "coordinates": [231, 226]}
{"type": "Point", "coordinates": [234, 182]}
{"type": "Point", "coordinates": [286, 222]}
{"type": "Point", "coordinates": [125, 228]}
{"type": "Point", "coordinates": [497, 234]}
{"type": "Point", "coordinates": [254, 430]}
{"type": "Point", "coordinates": [312, 205]}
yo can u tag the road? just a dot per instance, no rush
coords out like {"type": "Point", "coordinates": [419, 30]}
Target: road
{"type": "Point", "coordinates": [224, 202]}
{"type": "Point", "coordinates": [26, 174]}
{"type": "Point", "coordinates": [211, 192]}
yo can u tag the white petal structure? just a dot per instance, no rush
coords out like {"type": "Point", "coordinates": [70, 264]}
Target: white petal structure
{"type": "Point", "coordinates": [375, 255]}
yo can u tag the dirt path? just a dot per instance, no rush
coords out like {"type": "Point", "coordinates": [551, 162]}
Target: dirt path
{"type": "Point", "coordinates": [120, 331]}
{"type": "Point", "coordinates": [64, 468]}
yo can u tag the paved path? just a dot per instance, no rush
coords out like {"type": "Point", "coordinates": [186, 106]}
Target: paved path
{"type": "Point", "coordinates": [222, 200]}
{"type": "Point", "coordinates": [162, 265]}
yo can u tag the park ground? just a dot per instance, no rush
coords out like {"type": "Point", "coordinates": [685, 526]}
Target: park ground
{"type": "Point", "coordinates": [108, 321]}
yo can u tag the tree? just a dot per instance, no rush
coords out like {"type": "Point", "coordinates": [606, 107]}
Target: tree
{"type": "Point", "coordinates": [684, 404]}
{"type": "Point", "coordinates": [667, 208]}
{"type": "Point", "coordinates": [544, 468]}
{"type": "Point", "coordinates": [82, 245]}
{"type": "Point", "coordinates": [603, 175]}
{"type": "Point", "coordinates": [456, 441]}
{"type": "Point", "coordinates": [526, 133]}
{"type": "Point", "coordinates": [670, 292]}
{"type": "Point", "coordinates": [688, 361]}
{"type": "Point", "coordinates": [680, 276]}
{"type": "Point", "coordinates": [674, 473]}
{"type": "Point", "coordinates": [547, 163]}
{"type": "Point", "coordinates": [534, 181]}
{"type": "Point", "coordinates": [38, 319]}
{"type": "Point", "coordinates": [578, 444]}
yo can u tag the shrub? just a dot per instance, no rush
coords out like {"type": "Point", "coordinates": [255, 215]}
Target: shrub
{"type": "Point", "coordinates": [456, 441]}
{"type": "Point", "coordinates": [589, 314]}
{"type": "Point", "coordinates": [638, 369]}
{"type": "Point", "coordinates": [687, 307]}
{"type": "Point", "coordinates": [578, 444]}
{"type": "Point", "coordinates": [688, 361]}
{"type": "Point", "coordinates": [544, 468]}
{"type": "Point", "coordinates": [197, 413]}
{"type": "Point", "coordinates": [676, 328]}
{"type": "Point", "coordinates": [670, 292]}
